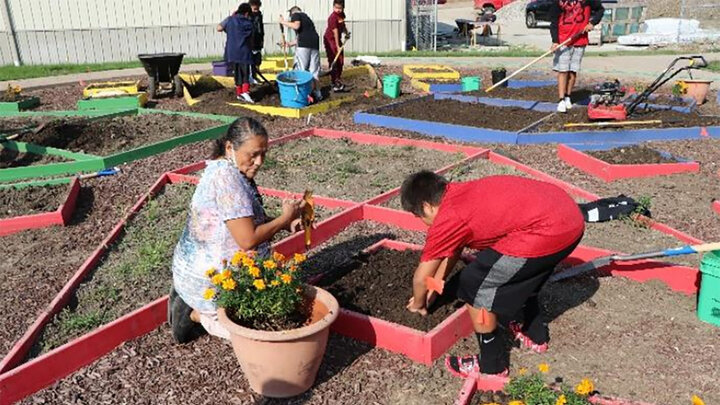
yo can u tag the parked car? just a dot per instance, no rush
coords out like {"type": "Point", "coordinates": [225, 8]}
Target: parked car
{"type": "Point", "coordinates": [539, 10]}
{"type": "Point", "coordinates": [491, 5]}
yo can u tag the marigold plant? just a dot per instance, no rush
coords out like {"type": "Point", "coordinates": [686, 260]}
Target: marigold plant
{"type": "Point", "coordinates": [259, 292]}
{"type": "Point", "coordinates": [531, 389]}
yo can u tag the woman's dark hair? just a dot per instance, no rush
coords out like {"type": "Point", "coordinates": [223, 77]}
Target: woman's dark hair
{"type": "Point", "coordinates": [422, 187]}
{"type": "Point", "coordinates": [239, 132]}
{"type": "Point", "coordinates": [255, 3]}
{"type": "Point", "coordinates": [244, 8]}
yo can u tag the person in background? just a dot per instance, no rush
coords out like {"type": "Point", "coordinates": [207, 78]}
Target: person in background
{"type": "Point", "coordinates": [258, 38]}
{"type": "Point", "coordinates": [238, 50]}
{"type": "Point", "coordinates": [226, 215]}
{"type": "Point", "coordinates": [336, 27]}
{"type": "Point", "coordinates": [570, 18]}
{"type": "Point", "coordinates": [307, 54]}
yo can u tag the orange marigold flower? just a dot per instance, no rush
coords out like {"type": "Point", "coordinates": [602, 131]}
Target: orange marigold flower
{"type": "Point", "coordinates": [278, 257]}
{"type": "Point", "coordinates": [274, 283]}
{"type": "Point", "coordinates": [209, 294]}
{"type": "Point", "coordinates": [293, 268]}
{"type": "Point", "coordinates": [544, 368]}
{"type": "Point", "coordinates": [226, 274]}
{"type": "Point", "coordinates": [217, 279]}
{"type": "Point", "coordinates": [585, 387]}
{"type": "Point", "coordinates": [697, 401]}
{"type": "Point", "coordinates": [254, 271]}
{"type": "Point", "coordinates": [229, 284]}
{"type": "Point", "coordinates": [259, 284]}
{"type": "Point", "coordinates": [299, 258]}
{"type": "Point", "coordinates": [210, 272]}
{"type": "Point", "coordinates": [269, 264]}
{"type": "Point", "coordinates": [286, 278]}
{"type": "Point", "coordinates": [516, 403]}
{"type": "Point", "coordinates": [247, 262]}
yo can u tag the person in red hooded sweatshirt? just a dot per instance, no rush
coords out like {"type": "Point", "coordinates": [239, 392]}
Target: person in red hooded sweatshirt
{"type": "Point", "coordinates": [571, 18]}
{"type": "Point", "coordinates": [335, 28]}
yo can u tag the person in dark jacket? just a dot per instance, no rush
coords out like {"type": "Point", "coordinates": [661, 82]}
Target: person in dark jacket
{"type": "Point", "coordinates": [258, 36]}
{"type": "Point", "coordinates": [568, 19]}
{"type": "Point", "coordinates": [238, 50]}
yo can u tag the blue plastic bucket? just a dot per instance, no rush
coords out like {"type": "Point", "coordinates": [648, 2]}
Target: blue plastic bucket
{"type": "Point", "coordinates": [295, 86]}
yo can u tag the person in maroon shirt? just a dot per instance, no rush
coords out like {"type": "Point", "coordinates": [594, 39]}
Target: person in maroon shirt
{"type": "Point", "coordinates": [520, 228]}
{"type": "Point", "coordinates": [335, 28]}
{"type": "Point", "coordinates": [569, 18]}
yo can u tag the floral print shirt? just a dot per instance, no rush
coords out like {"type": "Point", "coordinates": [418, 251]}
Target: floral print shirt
{"type": "Point", "coordinates": [222, 194]}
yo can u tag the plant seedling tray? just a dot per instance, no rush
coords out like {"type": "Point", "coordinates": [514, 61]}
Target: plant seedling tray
{"type": "Point", "coordinates": [608, 172]}
{"type": "Point", "coordinates": [431, 72]}
{"type": "Point", "coordinates": [60, 216]}
{"type": "Point", "coordinates": [374, 117]}
{"type": "Point", "coordinates": [17, 106]}
{"type": "Point", "coordinates": [137, 100]}
{"type": "Point", "coordinates": [481, 382]}
{"type": "Point", "coordinates": [92, 163]}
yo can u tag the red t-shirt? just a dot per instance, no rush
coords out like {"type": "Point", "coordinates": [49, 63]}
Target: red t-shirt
{"type": "Point", "coordinates": [335, 21]}
{"type": "Point", "coordinates": [574, 17]}
{"type": "Point", "coordinates": [512, 215]}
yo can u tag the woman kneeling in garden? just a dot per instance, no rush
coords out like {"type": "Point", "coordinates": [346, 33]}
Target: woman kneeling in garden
{"type": "Point", "coordinates": [226, 215]}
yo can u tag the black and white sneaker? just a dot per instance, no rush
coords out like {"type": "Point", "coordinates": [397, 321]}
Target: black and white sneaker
{"type": "Point", "coordinates": [465, 366]}
{"type": "Point", "coordinates": [339, 88]}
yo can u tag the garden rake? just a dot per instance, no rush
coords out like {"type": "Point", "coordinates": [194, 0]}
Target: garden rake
{"type": "Point", "coordinates": [606, 260]}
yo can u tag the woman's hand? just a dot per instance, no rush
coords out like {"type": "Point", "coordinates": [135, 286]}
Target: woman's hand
{"type": "Point", "coordinates": [291, 209]}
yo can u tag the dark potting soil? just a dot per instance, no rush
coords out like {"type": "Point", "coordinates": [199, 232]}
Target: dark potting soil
{"type": "Point", "coordinates": [468, 114]}
{"type": "Point", "coordinates": [547, 94]}
{"type": "Point", "coordinates": [12, 158]}
{"type": "Point", "coordinates": [670, 119]}
{"type": "Point", "coordinates": [380, 284]}
{"type": "Point", "coordinates": [136, 271]}
{"type": "Point", "coordinates": [345, 169]}
{"type": "Point", "coordinates": [31, 200]}
{"type": "Point", "coordinates": [109, 135]}
{"type": "Point", "coordinates": [203, 85]}
{"type": "Point", "coordinates": [490, 397]}
{"type": "Point", "coordinates": [635, 154]}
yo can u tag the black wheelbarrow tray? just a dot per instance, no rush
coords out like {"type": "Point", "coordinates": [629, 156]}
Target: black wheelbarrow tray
{"type": "Point", "coordinates": [163, 68]}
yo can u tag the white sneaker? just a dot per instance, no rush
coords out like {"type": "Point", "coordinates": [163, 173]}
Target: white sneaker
{"type": "Point", "coordinates": [562, 107]}
{"type": "Point", "coordinates": [246, 97]}
{"type": "Point", "coordinates": [568, 103]}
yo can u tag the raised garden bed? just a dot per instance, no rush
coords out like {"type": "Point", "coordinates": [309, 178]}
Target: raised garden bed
{"type": "Point", "coordinates": [422, 72]}
{"type": "Point", "coordinates": [14, 158]}
{"type": "Point", "coordinates": [625, 162]}
{"type": "Point", "coordinates": [36, 207]}
{"type": "Point", "coordinates": [547, 94]}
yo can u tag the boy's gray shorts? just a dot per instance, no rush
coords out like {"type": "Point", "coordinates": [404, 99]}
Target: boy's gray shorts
{"type": "Point", "coordinates": [568, 59]}
{"type": "Point", "coordinates": [308, 59]}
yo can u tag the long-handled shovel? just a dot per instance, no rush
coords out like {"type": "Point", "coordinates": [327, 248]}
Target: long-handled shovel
{"type": "Point", "coordinates": [536, 60]}
{"type": "Point", "coordinates": [337, 56]}
{"type": "Point", "coordinates": [604, 261]}
{"type": "Point", "coordinates": [284, 48]}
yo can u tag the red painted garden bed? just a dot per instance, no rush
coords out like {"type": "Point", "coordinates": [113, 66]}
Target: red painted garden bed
{"type": "Point", "coordinates": [611, 172]}
{"type": "Point", "coordinates": [60, 216]}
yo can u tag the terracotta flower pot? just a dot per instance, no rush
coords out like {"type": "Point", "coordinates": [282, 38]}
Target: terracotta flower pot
{"type": "Point", "coordinates": [284, 364]}
{"type": "Point", "coordinates": [698, 89]}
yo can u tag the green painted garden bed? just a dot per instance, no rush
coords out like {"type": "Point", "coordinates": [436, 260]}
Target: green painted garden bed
{"type": "Point", "coordinates": [18, 106]}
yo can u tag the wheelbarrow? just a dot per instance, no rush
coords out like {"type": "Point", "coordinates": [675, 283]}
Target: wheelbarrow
{"type": "Point", "coordinates": [162, 70]}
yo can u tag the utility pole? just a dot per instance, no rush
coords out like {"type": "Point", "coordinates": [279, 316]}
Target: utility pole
{"type": "Point", "coordinates": [7, 18]}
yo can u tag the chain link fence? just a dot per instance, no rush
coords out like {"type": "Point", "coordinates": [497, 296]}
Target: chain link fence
{"type": "Point", "coordinates": [422, 25]}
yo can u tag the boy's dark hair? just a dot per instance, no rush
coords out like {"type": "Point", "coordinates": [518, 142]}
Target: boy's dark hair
{"type": "Point", "coordinates": [339, 3]}
{"type": "Point", "coordinates": [295, 9]}
{"type": "Point", "coordinates": [244, 9]}
{"type": "Point", "coordinates": [422, 187]}
{"type": "Point", "coordinates": [241, 130]}
{"type": "Point", "coordinates": [255, 3]}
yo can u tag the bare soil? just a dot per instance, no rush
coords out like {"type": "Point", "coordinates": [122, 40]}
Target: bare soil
{"type": "Point", "coordinates": [6, 97]}
{"type": "Point", "coordinates": [547, 94]}
{"type": "Point", "coordinates": [467, 114]}
{"type": "Point", "coordinates": [670, 119]}
{"type": "Point", "coordinates": [345, 169]}
{"type": "Point", "coordinates": [380, 284]}
{"type": "Point", "coordinates": [31, 200]}
{"type": "Point", "coordinates": [635, 154]}
{"type": "Point", "coordinates": [106, 136]}
{"type": "Point", "coordinates": [12, 158]}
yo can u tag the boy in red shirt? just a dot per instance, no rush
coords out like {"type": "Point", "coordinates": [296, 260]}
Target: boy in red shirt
{"type": "Point", "coordinates": [335, 28]}
{"type": "Point", "coordinates": [522, 229]}
{"type": "Point", "coordinates": [567, 19]}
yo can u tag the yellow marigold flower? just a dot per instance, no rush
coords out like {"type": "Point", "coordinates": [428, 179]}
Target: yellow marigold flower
{"type": "Point", "coordinates": [274, 283]}
{"type": "Point", "coordinates": [286, 278]}
{"type": "Point", "coordinates": [516, 403]}
{"type": "Point", "coordinates": [229, 284]}
{"type": "Point", "coordinates": [278, 257]}
{"type": "Point", "coordinates": [217, 279]}
{"type": "Point", "coordinates": [209, 294]}
{"type": "Point", "coordinates": [226, 274]}
{"type": "Point", "coordinates": [269, 264]}
{"type": "Point", "coordinates": [544, 368]}
{"type": "Point", "coordinates": [299, 258]}
{"type": "Point", "coordinates": [293, 268]}
{"type": "Point", "coordinates": [254, 271]}
{"type": "Point", "coordinates": [585, 387]}
{"type": "Point", "coordinates": [561, 400]}
{"type": "Point", "coordinates": [522, 371]}
{"type": "Point", "coordinates": [492, 403]}
{"type": "Point", "coordinates": [237, 258]}
{"type": "Point", "coordinates": [247, 262]}
{"type": "Point", "coordinates": [259, 284]}
{"type": "Point", "coordinates": [210, 272]}
{"type": "Point", "coordinates": [697, 401]}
